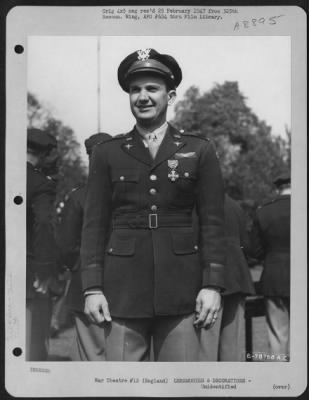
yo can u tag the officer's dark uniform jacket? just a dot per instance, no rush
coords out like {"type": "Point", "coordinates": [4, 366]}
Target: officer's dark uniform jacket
{"type": "Point", "coordinates": [151, 263]}
{"type": "Point", "coordinates": [270, 241]}
{"type": "Point", "coordinates": [69, 241]}
{"type": "Point", "coordinates": [237, 273]}
{"type": "Point", "coordinates": [41, 249]}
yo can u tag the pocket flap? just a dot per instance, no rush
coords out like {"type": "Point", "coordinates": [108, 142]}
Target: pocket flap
{"type": "Point", "coordinates": [121, 246]}
{"type": "Point", "coordinates": [184, 243]}
{"type": "Point", "coordinates": [187, 168]}
{"type": "Point", "coordinates": [187, 175]}
{"type": "Point", "coordinates": [125, 175]}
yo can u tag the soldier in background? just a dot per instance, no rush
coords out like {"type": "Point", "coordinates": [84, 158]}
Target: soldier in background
{"type": "Point", "coordinates": [270, 241]}
{"type": "Point", "coordinates": [226, 340]}
{"type": "Point", "coordinates": [89, 343]}
{"type": "Point", "coordinates": [41, 248]}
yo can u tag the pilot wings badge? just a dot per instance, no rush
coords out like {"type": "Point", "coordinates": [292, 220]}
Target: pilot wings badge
{"type": "Point", "coordinates": [172, 173]}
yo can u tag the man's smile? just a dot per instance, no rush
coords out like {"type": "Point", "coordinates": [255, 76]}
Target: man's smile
{"type": "Point", "coordinates": [145, 108]}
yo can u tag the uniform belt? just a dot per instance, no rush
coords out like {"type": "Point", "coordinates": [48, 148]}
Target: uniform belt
{"type": "Point", "coordinates": [152, 221]}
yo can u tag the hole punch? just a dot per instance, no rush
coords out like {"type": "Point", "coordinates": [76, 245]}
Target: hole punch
{"type": "Point", "coordinates": [19, 49]}
{"type": "Point", "coordinates": [18, 200]}
{"type": "Point", "coordinates": [17, 351]}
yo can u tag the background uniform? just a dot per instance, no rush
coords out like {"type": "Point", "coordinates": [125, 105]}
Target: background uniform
{"type": "Point", "coordinates": [89, 343]}
{"type": "Point", "coordinates": [40, 261]}
{"type": "Point", "coordinates": [271, 244]}
{"type": "Point", "coordinates": [225, 341]}
{"type": "Point", "coordinates": [151, 267]}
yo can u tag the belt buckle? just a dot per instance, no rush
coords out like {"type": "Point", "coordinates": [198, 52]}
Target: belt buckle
{"type": "Point", "coordinates": [153, 221]}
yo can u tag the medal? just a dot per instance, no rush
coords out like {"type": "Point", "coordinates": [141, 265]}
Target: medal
{"type": "Point", "coordinates": [172, 174]}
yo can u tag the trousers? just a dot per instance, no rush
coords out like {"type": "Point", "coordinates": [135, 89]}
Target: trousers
{"type": "Point", "coordinates": [278, 325]}
{"type": "Point", "coordinates": [225, 341]}
{"type": "Point", "coordinates": [89, 342]}
{"type": "Point", "coordinates": [167, 338]}
{"type": "Point", "coordinates": [38, 316]}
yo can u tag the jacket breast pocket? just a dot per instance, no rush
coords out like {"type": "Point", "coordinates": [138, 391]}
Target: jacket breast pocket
{"type": "Point", "coordinates": [125, 183]}
{"type": "Point", "coordinates": [125, 176]}
{"type": "Point", "coordinates": [188, 167]}
{"type": "Point", "coordinates": [187, 175]}
{"type": "Point", "coordinates": [123, 246]}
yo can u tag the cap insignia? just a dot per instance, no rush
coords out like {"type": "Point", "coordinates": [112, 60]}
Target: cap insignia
{"type": "Point", "coordinates": [143, 55]}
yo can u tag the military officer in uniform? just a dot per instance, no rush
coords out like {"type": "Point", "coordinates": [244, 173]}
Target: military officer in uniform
{"type": "Point", "coordinates": [41, 250]}
{"type": "Point", "coordinates": [146, 279]}
{"type": "Point", "coordinates": [270, 241]}
{"type": "Point", "coordinates": [226, 340]}
{"type": "Point", "coordinates": [89, 343]}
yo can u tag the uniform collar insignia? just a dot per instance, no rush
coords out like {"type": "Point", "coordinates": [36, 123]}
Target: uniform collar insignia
{"type": "Point", "coordinates": [178, 143]}
{"type": "Point", "coordinates": [128, 146]}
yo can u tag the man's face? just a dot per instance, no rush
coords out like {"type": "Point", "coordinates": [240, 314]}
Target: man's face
{"type": "Point", "coordinates": [39, 158]}
{"type": "Point", "coordinates": [149, 99]}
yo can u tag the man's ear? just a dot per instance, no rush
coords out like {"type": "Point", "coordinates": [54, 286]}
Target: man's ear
{"type": "Point", "coordinates": [171, 97]}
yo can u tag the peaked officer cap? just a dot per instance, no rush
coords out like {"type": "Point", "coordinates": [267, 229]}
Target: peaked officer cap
{"type": "Point", "coordinates": [149, 60]}
{"type": "Point", "coordinates": [40, 140]}
{"type": "Point", "coordinates": [282, 179]}
{"type": "Point", "coordinates": [95, 139]}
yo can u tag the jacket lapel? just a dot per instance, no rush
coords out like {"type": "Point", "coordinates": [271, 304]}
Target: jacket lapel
{"type": "Point", "coordinates": [134, 147]}
{"type": "Point", "coordinates": [171, 143]}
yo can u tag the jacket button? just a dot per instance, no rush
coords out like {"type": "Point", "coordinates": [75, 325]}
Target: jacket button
{"type": "Point", "coordinates": [110, 250]}
{"type": "Point", "coordinates": [153, 177]}
{"type": "Point", "coordinates": [187, 174]}
{"type": "Point", "coordinates": [122, 178]}
{"type": "Point", "coordinates": [195, 247]}
{"type": "Point", "coordinates": [154, 208]}
{"type": "Point", "coordinates": [153, 191]}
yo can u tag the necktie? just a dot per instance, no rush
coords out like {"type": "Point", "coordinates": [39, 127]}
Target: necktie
{"type": "Point", "coordinates": [153, 144]}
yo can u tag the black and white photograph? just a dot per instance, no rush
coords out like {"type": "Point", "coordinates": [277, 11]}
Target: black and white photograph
{"type": "Point", "coordinates": [157, 195]}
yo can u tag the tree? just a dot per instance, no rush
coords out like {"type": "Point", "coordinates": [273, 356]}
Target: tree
{"type": "Point", "coordinates": [249, 154]}
{"type": "Point", "coordinates": [71, 170]}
